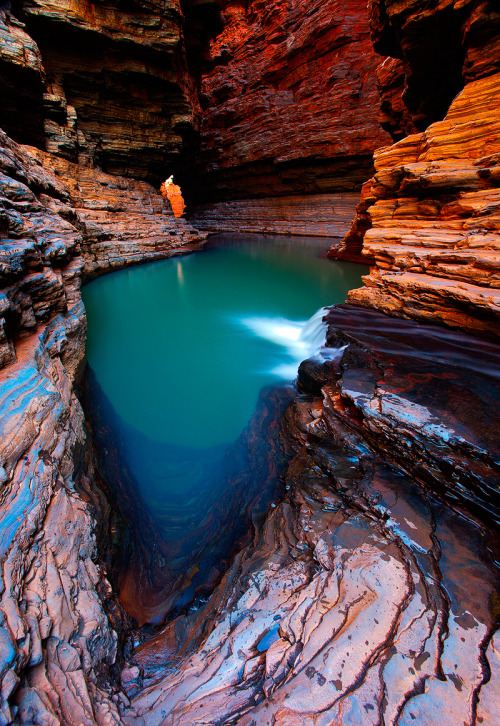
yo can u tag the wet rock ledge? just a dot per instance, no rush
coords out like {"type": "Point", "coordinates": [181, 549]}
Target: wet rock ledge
{"type": "Point", "coordinates": [370, 593]}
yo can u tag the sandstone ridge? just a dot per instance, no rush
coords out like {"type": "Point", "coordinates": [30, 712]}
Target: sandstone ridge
{"type": "Point", "coordinates": [432, 216]}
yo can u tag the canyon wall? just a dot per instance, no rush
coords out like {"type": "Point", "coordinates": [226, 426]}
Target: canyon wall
{"type": "Point", "coordinates": [319, 215]}
{"type": "Point", "coordinates": [430, 215]}
{"type": "Point", "coordinates": [104, 83]}
{"type": "Point", "coordinates": [369, 591]}
{"type": "Point", "coordinates": [60, 223]}
{"type": "Point", "coordinates": [290, 102]}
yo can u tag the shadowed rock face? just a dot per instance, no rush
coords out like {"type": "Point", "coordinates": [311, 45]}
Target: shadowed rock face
{"type": "Point", "coordinates": [289, 102]}
{"type": "Point", "coordinates": [106, 83]}
{"type": "Point", "coordinates": [437, 48]}
{"type": "Point", "coordinates": [20, 68]}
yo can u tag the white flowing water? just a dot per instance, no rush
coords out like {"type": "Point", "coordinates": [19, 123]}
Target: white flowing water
{"type": "Point", "coordinates": [299, 339]}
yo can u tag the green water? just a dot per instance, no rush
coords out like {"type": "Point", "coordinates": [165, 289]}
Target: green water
{"type": "Point", "coordinates": [181, 348]}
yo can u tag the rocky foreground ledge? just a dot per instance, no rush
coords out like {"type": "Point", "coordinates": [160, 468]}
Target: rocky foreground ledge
{"type": "Point", "coordinates": [370, 593]}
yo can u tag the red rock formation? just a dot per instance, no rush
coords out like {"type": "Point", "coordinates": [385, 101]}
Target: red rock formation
{"type": "Point", "coordinates": [431, 210]}
{"type": "Point", "coordinates": [108, 82]}
{"type": "Point", "coordinates": [290, 102]}
{"type": "Point", "coordinates": [21, 82]}
{"type": "Point", "coordinates": [322, 215]}
{"type": "Point", "coordinates": [59, 222]}
{"type": "Point", "coordinates": [441, 46]}
{"type": "Point", "coordinates": [174, 195]}
{"type": "Point", "coordinates": [428, 215]}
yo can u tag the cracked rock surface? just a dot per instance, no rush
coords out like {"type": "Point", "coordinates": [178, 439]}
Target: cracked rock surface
{"type": "Point", "coordinates": [365, 597]}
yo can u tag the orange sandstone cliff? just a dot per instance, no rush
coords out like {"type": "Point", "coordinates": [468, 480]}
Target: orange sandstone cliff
{"type": "Point", "coordinates": [429, 216]}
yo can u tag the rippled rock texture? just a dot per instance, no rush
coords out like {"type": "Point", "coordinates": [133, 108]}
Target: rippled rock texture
{"type": "Point", "coordinates": [290, 101]}
{"type": "Point", "coordinates": [432, 212]}
{"type": "Point", "coordinates": [321, 215]}
{"type": "Point", "coordinates": [103, 82]}
{"type": "Point", "coordinates": [363, 598]}
{"type": "Point", "coordinates": [58, 222]}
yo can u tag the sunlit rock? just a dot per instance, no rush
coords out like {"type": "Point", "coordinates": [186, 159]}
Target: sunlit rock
{"type": "Point", "coordinates": [174, 195]}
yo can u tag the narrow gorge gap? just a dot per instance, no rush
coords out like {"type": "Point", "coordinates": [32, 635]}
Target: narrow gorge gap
{"type": "Point", "coordinates": [185, 356]}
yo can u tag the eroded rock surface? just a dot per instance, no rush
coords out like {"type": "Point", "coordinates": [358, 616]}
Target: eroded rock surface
{"type": "Point", "coordinates": [363, 598]}
{"type": "Point", "coordinates": [290, 101]}
{"type": "Point", "coordinates": [432, 213]}
{"type": "Point", "coordinates": [58, 645]}
{"type": "Point", "coordinates": [435, 49]}
{"type": "Point", "coordinates": [102, 82]}
{"type": "Point", "coordinates": [322, 215]}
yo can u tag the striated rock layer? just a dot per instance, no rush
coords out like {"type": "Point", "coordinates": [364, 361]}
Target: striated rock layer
{"type": "Point", "coordinates": [322, 215]}
{"type": "Point", "coordinates": [59, 222]}
{"type": "Point", "coordinates": [290, 101]}
{"type": "Point", "coordinates": [431, 215]}
{"type": "Point", "coordinates": [435, 49]}
{"type": "Point", "coordinates": [370, 591]}
{"type": "Point", "coordinates": [106, 83]}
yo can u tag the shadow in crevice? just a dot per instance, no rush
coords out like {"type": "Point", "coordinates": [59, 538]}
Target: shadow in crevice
{"type": "Point", "coordinates": [184, 511]}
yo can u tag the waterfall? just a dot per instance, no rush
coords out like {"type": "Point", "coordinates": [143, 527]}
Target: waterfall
{"type": "Point", "coordinates": [297, 340]}
{"type": "Point", "coordinates": [313, 333]}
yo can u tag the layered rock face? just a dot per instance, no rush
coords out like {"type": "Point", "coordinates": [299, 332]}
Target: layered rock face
{"type": "Point", "coordinates": [106, 83]}
{"type": "Point", "coordinates": [321, 215]}
{"type": "Point", "coordinates": [435, 49]}
{"type": "Point", "coordinates": [290, 102]}
{"type": "Point", "coordinates": [429, 216]}
{"type": "Point", "coordinates": [57, 641]}
{"type": "Point", "coordinates": [370, 591]}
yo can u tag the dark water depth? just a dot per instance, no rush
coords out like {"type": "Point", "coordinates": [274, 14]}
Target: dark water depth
{"type": "Point", "coordinates": [181, 349]}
